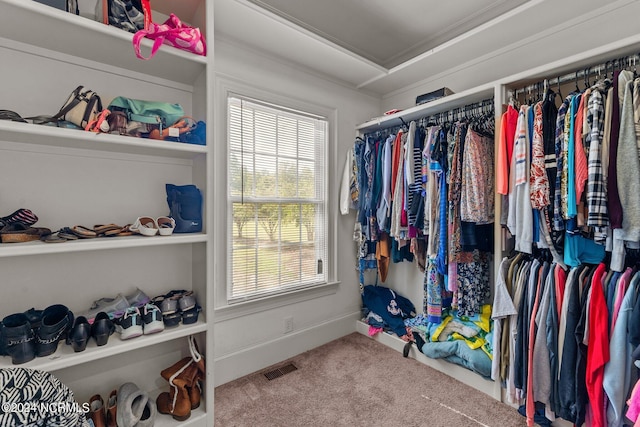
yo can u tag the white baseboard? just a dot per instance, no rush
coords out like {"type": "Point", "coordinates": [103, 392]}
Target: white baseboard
{"type": "Point", "coordinates": [236, 365]}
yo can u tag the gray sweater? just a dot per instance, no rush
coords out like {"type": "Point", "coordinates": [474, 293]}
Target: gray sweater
{"type": "Point", "coordinates": [628, 163]}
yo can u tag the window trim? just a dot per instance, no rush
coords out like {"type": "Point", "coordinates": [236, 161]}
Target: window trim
{"type": "Point", "coordinates": [228, 87]}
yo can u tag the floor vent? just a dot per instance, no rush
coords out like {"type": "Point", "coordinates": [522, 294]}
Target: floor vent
{"type": "Point", "coordinates": [278, 372]}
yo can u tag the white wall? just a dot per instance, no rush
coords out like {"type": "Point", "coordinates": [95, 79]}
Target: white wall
{"type": "Point", "coordinates": [246, 341]}
{"type": "Point", "coordinates": [585, 32]}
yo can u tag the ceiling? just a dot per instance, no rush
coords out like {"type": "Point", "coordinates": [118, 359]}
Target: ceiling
{"type": "Point", "coordinates": [383, 46]}
{"type": "Point", "coordinates": [383, 31]}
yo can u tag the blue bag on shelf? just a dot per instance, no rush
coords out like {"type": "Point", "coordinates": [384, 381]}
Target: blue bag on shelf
{"type": "Point", "coordinates": [185, 207]}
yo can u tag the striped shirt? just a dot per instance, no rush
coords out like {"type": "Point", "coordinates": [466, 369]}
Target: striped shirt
{"type": "Point", "coordinates": [558, 222]}
{"type": "Point", "coordinates": [520, 147]}
{"type": "Point", "coordinates": [596, 185]}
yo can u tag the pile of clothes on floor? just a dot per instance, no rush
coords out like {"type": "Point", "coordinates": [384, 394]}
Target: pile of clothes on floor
{"type": "Point", "coordinates": [463, 340]}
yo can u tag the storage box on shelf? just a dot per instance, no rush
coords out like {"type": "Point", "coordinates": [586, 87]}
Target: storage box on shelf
{"type": "Point", "coordinates": [70, 177]}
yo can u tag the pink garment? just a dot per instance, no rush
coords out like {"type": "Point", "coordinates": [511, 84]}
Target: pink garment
{"type": "Point", "coordinates": [634, 404]}
{"type": "Point", "coordinates": [374, 330]}
{"type": "Point", "coordinates": [530, 404]}
{"type": "Point", "coordinates": [623, 284]}
{"type": "Point", "coordinates": [580, 156]}
{"type": "Point", "coordinates": [560, 279]}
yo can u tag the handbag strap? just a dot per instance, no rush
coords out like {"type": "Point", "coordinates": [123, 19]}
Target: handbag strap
{"type": "Point", "coordinates": [137, 38]}
{"type": "Point", "coordinates": [193, 349]}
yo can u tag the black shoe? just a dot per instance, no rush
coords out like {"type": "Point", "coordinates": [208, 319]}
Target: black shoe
{"type": "Point", "coordinates": [419, 341]}
{"type": "Point", "coordinates": [57, 320]}
{"type": "Point", "coordinates": [102, 328]}
{"type": "Point", "coordinates": [405, 350]}
{"type": "Point", "coordinates": [35, 318]}
{"type": "Point", "coordinates": [79, 335]}
{"type": "Point", "coordinates": [18, 340]}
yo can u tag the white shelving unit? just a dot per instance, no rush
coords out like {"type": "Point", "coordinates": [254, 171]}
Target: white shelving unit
{"type": "Point", "coordinates": [69, 177]}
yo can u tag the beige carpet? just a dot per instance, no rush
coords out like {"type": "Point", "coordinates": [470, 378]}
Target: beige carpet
{"type": "Point", "coordinates": [355, 381]}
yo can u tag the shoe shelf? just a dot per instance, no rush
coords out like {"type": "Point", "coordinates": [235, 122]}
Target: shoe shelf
{"type": "Point", "coordinates": [82, 37]}
{"type": "Point", "coordinates": [99, 243]}
{"type": "Point", "coordinates": [65, 357]}
{"type": "Point", "coordinates": [27, 133]}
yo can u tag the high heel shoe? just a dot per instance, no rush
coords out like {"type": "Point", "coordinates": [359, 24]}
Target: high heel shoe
{"type": "Point", "coordinates": [102, 328]}
{"type": "Point", "coordinates": [80, 333]}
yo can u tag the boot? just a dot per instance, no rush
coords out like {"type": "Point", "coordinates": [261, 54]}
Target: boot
{"type": "Point", "coordinates": [173, 369]}
{"type": "Point", "coordinates": [195, 391]}
{"type": "Point", "coordinates": [176, 402]}
{"type": "Point", "coordinates": [18, 340]}
{"type": "Point", "coordinates": [96, 411]}
{"type": "Point", "coordinates": [112, 409]}
{"type": "Point", "coordinates": [195, 394]}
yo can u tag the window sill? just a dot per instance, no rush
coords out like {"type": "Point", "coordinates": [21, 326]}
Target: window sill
{"type": "Point", "coordinates": [245, 308]}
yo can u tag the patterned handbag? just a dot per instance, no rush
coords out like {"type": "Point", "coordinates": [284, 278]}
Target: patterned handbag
{"type": "Point", "coordinates": [173, 33]}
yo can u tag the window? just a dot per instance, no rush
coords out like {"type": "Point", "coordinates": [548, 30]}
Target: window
{"type": "Point", "coordinates": [278, 221]}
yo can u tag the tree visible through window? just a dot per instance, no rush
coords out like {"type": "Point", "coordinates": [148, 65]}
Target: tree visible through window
{"type": "Point", "coordinates": [276, 175]}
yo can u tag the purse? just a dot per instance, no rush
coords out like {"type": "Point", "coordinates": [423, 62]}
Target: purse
{"type": "Point", "coordinates": [173, 33]}
{"type": "Point", "coordinates": [82, 107]}
{"type": "Point", "coordinates": [150, 114]}
{"type": "Point", "coordinates": [185, 130]}
{"type": "Point", "coordinates": [130, 15]}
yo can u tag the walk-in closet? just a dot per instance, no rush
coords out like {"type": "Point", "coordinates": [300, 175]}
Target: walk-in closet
{"type": "Point", "coordinates": [197, 195]}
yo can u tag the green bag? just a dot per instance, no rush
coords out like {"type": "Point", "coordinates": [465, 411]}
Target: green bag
{"type": "Point", "coordinates": [153, 113]}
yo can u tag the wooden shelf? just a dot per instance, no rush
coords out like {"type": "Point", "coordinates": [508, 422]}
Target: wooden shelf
{"type": "Point", "coordinates": [65, 357]}
{"type": "Point", "coordinates": [81, 37]}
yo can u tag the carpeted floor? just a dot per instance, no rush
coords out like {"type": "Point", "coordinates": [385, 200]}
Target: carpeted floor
{"type": "Point", "coordinates": [355, 381]}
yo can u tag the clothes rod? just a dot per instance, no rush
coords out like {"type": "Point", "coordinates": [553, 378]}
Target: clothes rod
{"type": "Point", "coordinates": [583, 74]}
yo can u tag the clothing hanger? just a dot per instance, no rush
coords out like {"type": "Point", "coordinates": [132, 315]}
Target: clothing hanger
{"type": "Point", "coordinates": [586, 78]}
{"type": "Point", "coordinates": [559, 92]}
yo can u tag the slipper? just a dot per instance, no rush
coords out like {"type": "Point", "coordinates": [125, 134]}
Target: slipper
{"type": "Point", "coordinates": [19, 232]}
{"type": "Point", "coordinates": [83, 232]}
{"type": "Point", "coordinates": [166, 225]}
{"type": "Point", "coordinates": [144, 225]}
{"type": "Point", "coordinates": [22, 215]}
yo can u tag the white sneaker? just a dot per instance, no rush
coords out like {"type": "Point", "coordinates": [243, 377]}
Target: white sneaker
{"type": "Point", "coordinates": [152, 319]}
{"type": "Point", "coordinates": [130, 325]}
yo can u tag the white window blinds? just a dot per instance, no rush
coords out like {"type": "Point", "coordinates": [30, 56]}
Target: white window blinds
{"type": "Point", "coordinates": [276, 175]}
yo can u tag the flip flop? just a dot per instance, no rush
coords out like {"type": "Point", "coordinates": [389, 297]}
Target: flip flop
{"type": "Point", "coordinates": [53, 238]}
{"type": "Point", "coordinates": [66, 233]}
{"type": "Point", "coordinates": [106, 230]}
{"type": "Point", "coordinates": [83, 232]}
{"type": "Point", "coordinates": [124, 231]}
